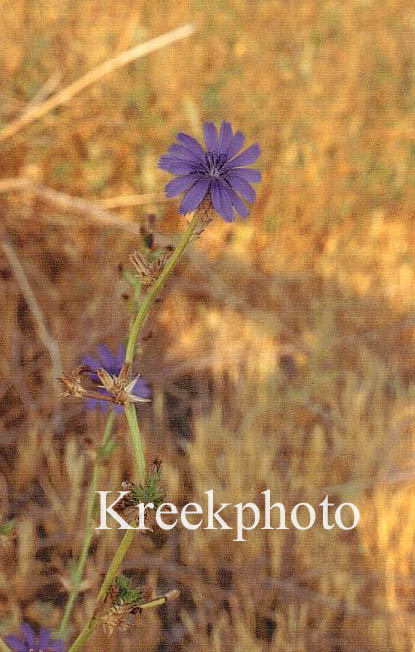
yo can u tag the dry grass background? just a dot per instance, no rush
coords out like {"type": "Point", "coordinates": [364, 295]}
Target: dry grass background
{"type": "Point", "coordinates": [282, 355]}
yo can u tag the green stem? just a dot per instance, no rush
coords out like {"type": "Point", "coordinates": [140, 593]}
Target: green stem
{"type": "Point", "coordinates": [4, 647]}
{"type": "Point", "coordinates": [79, 570]}
{"type": "Point", "coordinates": [154, 603]}
{"type": "Point", "coordinates": [115, 564]}
{"type": "Point", "coordinates": [134, 429]}
{"type": "Point", "coordinates": [131, 415]}
{"type": "Point", "coordinates": [155, 289]}
{"type": "Point", "coordinates": [108, 580]}
{"type": "Point", "coordinates": [135, 330]}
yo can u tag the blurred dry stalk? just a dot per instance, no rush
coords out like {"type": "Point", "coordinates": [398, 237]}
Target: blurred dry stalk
{"type": "Point", "coordinates": [38, 110]}
{"type": "Point", "coordinates": [133, 200]}
{"type": "Point", "coordinates": [68, 203]}
{"type": "Point", "coordinates": [47, 340]}
{"type": "Point", "coordinates": [288, 340]}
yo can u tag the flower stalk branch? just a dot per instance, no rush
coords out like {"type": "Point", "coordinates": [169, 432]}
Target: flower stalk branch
{"type": "Point", "coordinates": [136, 328]}
{"type": "Point", "coordinates": [137, 441]}
{"type": "Point", "coordinates": [157, 287]}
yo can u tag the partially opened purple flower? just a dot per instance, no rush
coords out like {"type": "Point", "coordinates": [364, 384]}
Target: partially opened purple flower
{"type": "Point", "coordinates": [32, 643]}
{"type": "Point", "coordinates": [218, 172]}
{"type": "Point", "coordinates": [111, 362]}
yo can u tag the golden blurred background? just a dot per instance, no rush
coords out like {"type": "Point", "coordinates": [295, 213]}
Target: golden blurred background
{"type": "Point", "coordinates": [282, 353]}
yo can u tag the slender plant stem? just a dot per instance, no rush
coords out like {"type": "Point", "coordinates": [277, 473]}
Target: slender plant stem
{"type": "Point", "coordinates": [4, 647]}
{"type": "Point", "coordinates": [156, 602]}
{"type": "Point", "coordinates": [135, 432]}
{"type": "Point", "coordinates": [131, 415]}
{"type": "Point", "coordinates": [108, 580]}
{"type": "Point", "coordinates": [135, 330]}
{"type": "Point", "coordinates": [155, 289]}
{"type": "Point", "coordinates": [115, 564]}
{"type": "Point", "coordinates": [79, 570]}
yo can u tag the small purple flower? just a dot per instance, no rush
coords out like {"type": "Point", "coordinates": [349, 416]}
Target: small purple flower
{"type": "Point", "coordinates": [218, 172]}
{"type": "Point", "coordinates": [111, 362]}
{"type": "Point", "coordinates": [33, 643]}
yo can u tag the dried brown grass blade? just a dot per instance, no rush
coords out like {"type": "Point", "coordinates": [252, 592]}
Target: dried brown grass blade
{"type": "Point", "coordinates": [67, 93]}
{"type": "Point", "coordinates": [66, 202]}
{"type": "Point", "coordinates": [45, 337]}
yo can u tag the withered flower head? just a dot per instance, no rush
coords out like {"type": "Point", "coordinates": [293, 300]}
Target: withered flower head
{"type": "Point", "coordinates": [148, 271]}
{"type": "Point", "coordinates": [105, 369]}
{"type": "Point", "coordinates": [123, 607]}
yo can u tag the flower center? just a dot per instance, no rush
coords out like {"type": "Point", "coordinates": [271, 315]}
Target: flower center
{"type": "Point", "coordinates": [214, 163]}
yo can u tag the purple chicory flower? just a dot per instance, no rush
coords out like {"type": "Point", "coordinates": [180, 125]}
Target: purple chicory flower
{"type": "Point", "coordinates": [111, 362]}
{"type": "Point", "coordinates": [217, 172]}
{"type": "Point", "coordinates": [32, 643]}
